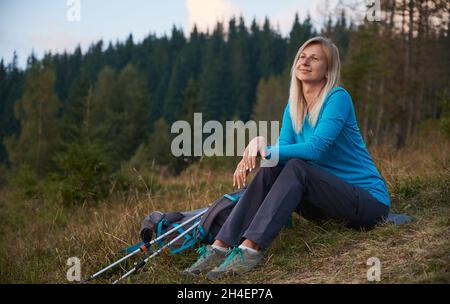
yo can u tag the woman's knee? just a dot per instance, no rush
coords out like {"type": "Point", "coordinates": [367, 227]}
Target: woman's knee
{"type": "Point", "coordinates": [295, 162]}
{"type": "Point", "coordinates": [298, 166]}
{"type": "Point", "coordinates": [267, 170]}
{"type": "Point", "coordinates": [268, 174]}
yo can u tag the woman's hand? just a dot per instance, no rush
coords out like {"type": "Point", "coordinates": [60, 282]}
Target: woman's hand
{"type": "Point", "coordinates": [240, 175]}
{"type": "Point", "coordinates": [257, 144]}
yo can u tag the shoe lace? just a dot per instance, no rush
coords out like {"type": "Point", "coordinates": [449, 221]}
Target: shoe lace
{"type": "Point", "coordinates": [202, 251]}
{"type": "Point", "coordinates": [231, 254]}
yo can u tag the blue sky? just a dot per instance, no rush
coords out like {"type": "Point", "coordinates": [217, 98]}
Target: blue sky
{"type": "Point", "coordinates": [43, 25]}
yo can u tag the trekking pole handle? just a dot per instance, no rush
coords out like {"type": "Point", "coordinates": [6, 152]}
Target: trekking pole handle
{"type": "Point", "coordinates": [142, 263]}
{"type": "Point", "coordinates": [176, 228]}
{"type": "Point", "coordinates": [146, 246]}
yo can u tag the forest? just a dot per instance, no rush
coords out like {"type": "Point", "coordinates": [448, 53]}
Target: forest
{"type": "Point", "coordinates": [118, 100]}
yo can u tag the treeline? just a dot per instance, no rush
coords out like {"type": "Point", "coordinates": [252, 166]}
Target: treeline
{"type": "Point", "coordinates": [123, 97]}
{"type": "Point", "coordinates": [82, 118]}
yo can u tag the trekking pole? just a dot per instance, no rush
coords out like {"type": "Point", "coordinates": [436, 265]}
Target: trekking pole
{"type": "Point", "coordinates": [143, 248]}
{"type": "Point", "coordinates": [143, 262]}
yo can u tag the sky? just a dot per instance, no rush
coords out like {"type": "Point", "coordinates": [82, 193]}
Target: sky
{"type": "Point", "coordinates": [58, 25]}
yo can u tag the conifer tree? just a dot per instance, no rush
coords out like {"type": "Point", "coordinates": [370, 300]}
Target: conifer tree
{"type": "Point", "coordinates": [36, 112]}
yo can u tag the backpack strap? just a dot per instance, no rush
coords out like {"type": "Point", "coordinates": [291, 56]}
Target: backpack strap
{"type": "Point", "coordinates": [236, 195]}
{"type": "Point", "coordinates": [190, 239]}
{"type": "Point", "coordinates": [227, 201]}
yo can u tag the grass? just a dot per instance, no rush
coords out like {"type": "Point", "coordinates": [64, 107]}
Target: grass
{"type": "Point", "coordinates": [37, 236]}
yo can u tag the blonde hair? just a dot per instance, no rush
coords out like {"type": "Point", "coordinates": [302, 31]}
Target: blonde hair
{"type": "Point", "coordinates": [297, 102]}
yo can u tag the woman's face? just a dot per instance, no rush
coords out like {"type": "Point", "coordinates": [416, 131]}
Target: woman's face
{"type": "Point", "coordinates": [311, 65]}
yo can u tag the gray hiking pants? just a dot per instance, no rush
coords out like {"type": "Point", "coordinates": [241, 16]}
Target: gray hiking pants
{"type": "Point", "coordinates": [276, 192]}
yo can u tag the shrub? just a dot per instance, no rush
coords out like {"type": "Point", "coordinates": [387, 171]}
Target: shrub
{"type": "Point", "coordinates": [3, 175]}
{"type": "Point", "coordinates": [142, 179]}
{"type": "Point", "coordinates": [25, 180]}
{"type": "Point", "coordinates": [84, 174]}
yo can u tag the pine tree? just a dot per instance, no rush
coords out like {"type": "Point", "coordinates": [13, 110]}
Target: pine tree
{"type": "Point", "coordinates": [160, 76]}
{"type": "Point", "coordinates": [215, 78]}
{"type": "Point", "coordinates": [136, 99]}
{"type": "Point", "coordinates": [187, 63]}
{"type": "Point", "coordinates": [120, 110]}
{"type": "Point", "coordinates": [240, 69]}
{"type": "Point", "coordinates": [93, 61]}
{"type": "Point", "coordinates": [190, 106]}
{"type": "Point", "coordinates": [271, 99]}
{"type": "Point", "coordinates": [157, 149]}
{"type": "Point", "coordinates": [124, 53]}
{"type": "Point", "coordinates": [341, 35]}
{"type": "Point", "coordinates": [190, 102]}
{"type": "Point", "coordinates": [298, 35]}
{"type": "Point", "coordinates": [364, 75]}
{"type": "Point", "coordinates": [39, 127]}
{"type": "Point", "coordinates": [75, 109]}
{"type": "Point", "coordinates": [3, 89]}
{"type": "Point", "coordinates": [11, 91]}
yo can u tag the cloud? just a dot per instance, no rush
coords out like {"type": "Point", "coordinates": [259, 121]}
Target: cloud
{"type": "Point", "coordinates": [205, 13]}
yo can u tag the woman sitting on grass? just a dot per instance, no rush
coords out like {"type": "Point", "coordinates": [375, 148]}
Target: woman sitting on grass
{"type": "Point", "coordinates": [324, 170]}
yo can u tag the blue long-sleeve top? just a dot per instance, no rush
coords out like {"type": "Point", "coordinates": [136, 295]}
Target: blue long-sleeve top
{"type": "Point", "coordinates": [335, 144]}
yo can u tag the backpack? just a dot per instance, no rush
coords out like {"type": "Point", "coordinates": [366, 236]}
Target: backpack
{"type": "Point", "coordinates": [210, 223]}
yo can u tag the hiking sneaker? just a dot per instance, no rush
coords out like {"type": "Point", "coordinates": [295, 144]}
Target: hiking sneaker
{"type": "Point", "coordinates": [209, 258]}
{"type": "Point", "coordinates": [238, 261]}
